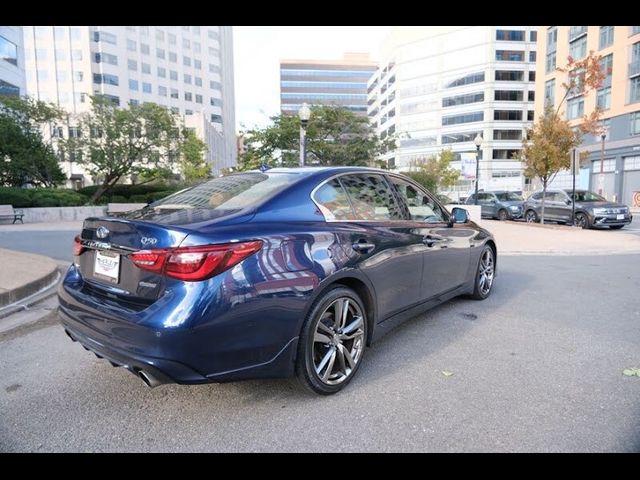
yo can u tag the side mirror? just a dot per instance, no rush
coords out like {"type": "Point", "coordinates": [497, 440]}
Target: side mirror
{"type": "Point", "coordinates": [568, 200]}
{"type": "Point", "coordinates": [460, 215]}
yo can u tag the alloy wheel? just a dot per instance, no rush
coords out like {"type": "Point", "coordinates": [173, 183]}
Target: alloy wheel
{"type": "Point", "coordinates": [486, 272]}
{"type": "Point", "coordinates": [531, 217]}
{"type": "Point", "coordinates": [338, 341]}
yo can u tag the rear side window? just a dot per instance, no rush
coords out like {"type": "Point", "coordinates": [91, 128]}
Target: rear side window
{"type": "Point", "coordinates": [333, 202]}
{"type": "Point", "coordinates": [371, 197]}
{"type": "Point", "coordinates": [228, 194]}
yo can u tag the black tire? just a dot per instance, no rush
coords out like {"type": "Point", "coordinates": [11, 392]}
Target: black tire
{"type": "Point", "coordinates": [503, 215]}
{"type": "Point", "coordinates": [480, 290]}
{"type": "Point", "coordinates": [582, 220]}
{"type": "Point", "coordinates": [530, 216]}
{"type": "Point", "coordinates": [615, 227]}
{"type": "Point", "coordinates": [335, 353]}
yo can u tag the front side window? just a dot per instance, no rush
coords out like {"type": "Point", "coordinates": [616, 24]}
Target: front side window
{"type": "Point", "coordinates": [422, 208]}
{"type": "Point", "coordinates": [371, 197]}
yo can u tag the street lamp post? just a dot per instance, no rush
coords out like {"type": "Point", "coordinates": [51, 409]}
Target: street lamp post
{"type": "Point", "coordinates": [478, 142]}
{"type": "Point", "coordinates": [603, 135]}
{"type": "Point", "coordinates": [304, 114]}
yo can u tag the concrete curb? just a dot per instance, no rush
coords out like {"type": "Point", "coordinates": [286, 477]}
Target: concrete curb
{"type": "Point", "coordinates": [28, 289]}
{"type": "Point", "coordinates": [35, 295]}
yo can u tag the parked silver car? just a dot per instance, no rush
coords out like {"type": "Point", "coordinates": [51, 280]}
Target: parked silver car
{"type": "Point", "coordinates": [591, 210]}
{"type": "Point", "coordinates": [498, 204]}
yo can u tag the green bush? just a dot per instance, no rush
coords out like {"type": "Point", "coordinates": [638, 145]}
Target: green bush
{"type": "Point", "coordinates": [138, 199]}
{"type": "Point", "coordinates": [129, 191]}
{"type": "Point", "coordinates": [18, 197]}
{"type": "Point", "coordinates": [50, 197]}
{"type": "Point", "coordinates": [118, 199]}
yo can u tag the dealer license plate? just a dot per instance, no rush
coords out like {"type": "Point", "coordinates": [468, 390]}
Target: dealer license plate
{"type": "Point", "coordinates": [107, 265]}
{"type": "Point", "coordinates": [620, 216]}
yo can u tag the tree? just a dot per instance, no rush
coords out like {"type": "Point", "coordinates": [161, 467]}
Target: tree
{"type": "Point", "coordinates": [335, 136]}
{"type": "Point", "coordinates": [435, 171]}
{"type": "Point", "coordinates": [552, 138]}
{"type": "Point", "coordinates": [192, 163]}
{"type": "Point", "coordinates": [25, 158]}
{"type": "Point", "coordinates": [139, 140]}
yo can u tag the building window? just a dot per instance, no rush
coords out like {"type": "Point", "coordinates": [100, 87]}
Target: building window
{"type": "Point", "coordinates": [464, 118]}
{"type": "Point", "coordinates": [550, 62]}
{"type": "Point", "coordinates": [133, 84]}
{"type": "Point", "coordinates": [186, 43]}
{"type": "Point", "coordinates": [552, 39]}
{"type": "Point", "coordinates": [508, 95]}
{"type": "Point", "coordinates": [78, 76]}
{"type": "Point", "coordinates": [75, 132]}
{"type": "Point", "coordinates": [188, 112]}
{"type": "Point", "coordinates": [509, 75]}
{"type": "Point", "coordinates": [106, 58]}
{"type": "Point", "coordinates": [144, 49]}
{"type": "Point", "coordinates": [215, 85]}
{"type": "Point", "coordinates": [466, 80]}
{"type": "Point", "coordinates": [635, 123]}
{"type": "Point", "coordinates": [604, 98]}
{"type": "Point", "coordinates": [134, 102]}
{"type": "Point", "coordinates": [198, 81]}
{"type": "Point", "coordinates": [549, 92]}
{"type": "Point", "coordinates": [213, 51]}
{"type": "Point", "coordinates": [510, 55]}
{"type": "Point", "coordinates": [634, 66]}
{"type": "Point", "coordinates": [606, 65]}
{"type": "Point", "coordinates": [105, 78]}
{"type": "Point", "coordinates": [216, 118]}
{"type": "Point", "coordinates": [131, 45]}
{"type": "Point", "coordinates": [214, 68]}
{"type": "Point", "coordinates": [532, 57]}
{"type": "Point", "coordinates": [172, 39]}
{"type": "Point", "coordinates": [186, 61]}
{"type": "Point", "coordinates": [507, 115]}
{"type": "Point", "coordinates": [505, 154]}
{"type": "Point", "coordinates": [578, 48]}
{"type": "Point", "coordinates": [197, 47]}
{"type": "Point", "coordinates": [197, 64]}
{"type": "Point", "coordinates": [635, 30]}
{"type": "Point", "coordinates": [162, 91]}
{"type": "Point", "coordinates": [463, 99]}
{"type": "Point", "coordinates": [606, 37]}
{"type": "Point", "coordinates": [507, 135]}
{"type": "Point", "coordinates": [173, 57]}
{"type": "Point", "coordinates": [76, 54]}
{"type": "Point", "coordinates": [144, 30]}
{"type": "Point", "coordinates": [160, 35]}
{"type": "Point", "coordinates": [187, 78]}
{"type": "Point", "coordinates": [162, 72]}
{"type": "Point", "coordinates": [146, 87]}
{"type": "Point", "coordinates": [575, 108]}
{"type": "Point", "coordinates": [635, 90]}
{"type": "Point", "coordinates": [510, 35]}
{"type": "Point", "coordinates": [216, 102]}
{"type": "Point", "coordinates": [174, 93]}
{"type": "Point", "coordinates": [145, 67]}
{"type": "Point", "coordinates": [532, 76]}
{"type": "Point", "coordinates": [188, 96]}
{"type": "Point", "coordinates": [531, 96]}
{"type": "Point", "coordinates": [198, 98]}
{"type": "Point", "coordinates": [448, 138]}
{"type": "Point", "coordinates": [213, 35]}
{"type": "Point", "coordinates": [533, 36]}
{"type": "Point", "coordinates": [173, 75]}
{"type": "Point", "coordinates": [160, 53]}
{"type": "Point", "coordinates": [530, 115]}
{"type": "Point", "coordinates": [104, 37]}
{"type": "Point", "coordinates": [7, 88]}
{"type": "Point", "coordinates": [132, 64]}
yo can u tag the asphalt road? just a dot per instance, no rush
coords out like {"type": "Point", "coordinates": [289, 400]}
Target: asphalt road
{"type": "Point", "coordinates": [536, 367]}
{"type": "Point", "coordinates": [54, 244]}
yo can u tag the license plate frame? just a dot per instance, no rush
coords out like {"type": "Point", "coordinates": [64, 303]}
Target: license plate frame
{"type": "Point", "coordinates": [106, 266]}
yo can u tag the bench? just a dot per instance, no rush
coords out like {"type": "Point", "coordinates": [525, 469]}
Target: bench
{"type": "Point", "coordinates": [123, 207]}
{"type": "Point", "coordinates": [7, 211]}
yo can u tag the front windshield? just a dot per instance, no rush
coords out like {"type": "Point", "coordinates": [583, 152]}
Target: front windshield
{"type": "Point", "coordinates": [586, 196]}
{"type": "Point", "coordinates": [509, 197]}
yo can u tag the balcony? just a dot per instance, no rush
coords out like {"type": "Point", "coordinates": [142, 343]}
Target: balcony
{"type": "Point", "coordinates": [634, 68]}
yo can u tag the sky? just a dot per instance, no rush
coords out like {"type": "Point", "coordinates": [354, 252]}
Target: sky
{"type": "Point", "coordinates": [257, 55]}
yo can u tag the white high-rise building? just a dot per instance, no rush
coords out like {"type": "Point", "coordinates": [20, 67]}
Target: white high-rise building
{"type": "Point", "coordinates": [438, 87]}
{"type": "Point", "coordinates": [11, 61]}
{"type": "Point", "coordinates": [186, 68]}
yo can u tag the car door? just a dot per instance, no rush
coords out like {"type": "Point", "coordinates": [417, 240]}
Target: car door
{"type": "Point", "coordinates": [448, 253]}
{"type": "Point", "coordinates": [562, 207]}
{"type": "Point", "coordinates": [485, 204]}
{"type": "Point", "coordinates": [383, 243]}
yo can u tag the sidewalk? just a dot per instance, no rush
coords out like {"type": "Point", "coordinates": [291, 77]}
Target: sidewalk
{"type": "Point", "coordinates": [42, 227]}
{"type": "Point", "coordinates": [24, 274]}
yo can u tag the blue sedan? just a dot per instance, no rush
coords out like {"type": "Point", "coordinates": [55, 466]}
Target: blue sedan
{"type": "Point", "coordinates": [269, 274]}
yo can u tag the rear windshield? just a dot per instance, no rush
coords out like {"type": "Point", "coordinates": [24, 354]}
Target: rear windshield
{"type": "Point", "coordinates": [232, 193]}
{"type": "Point", "coordinates": [509, 197]}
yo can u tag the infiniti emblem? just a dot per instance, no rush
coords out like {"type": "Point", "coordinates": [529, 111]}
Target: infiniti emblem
{"type": "Point", "coordinates": [102, 232]}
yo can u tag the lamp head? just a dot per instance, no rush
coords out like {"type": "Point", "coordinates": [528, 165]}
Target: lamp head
{"type": "Point", "coordinates": [304, 113]}
{"type": "Point", "coordinates": [478, 140]}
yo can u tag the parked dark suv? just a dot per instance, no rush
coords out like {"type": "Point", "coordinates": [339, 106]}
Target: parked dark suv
{"type": "Point", "coordinates": [591, 210]}
{"type": "Point", "coordinates": [498, 204]}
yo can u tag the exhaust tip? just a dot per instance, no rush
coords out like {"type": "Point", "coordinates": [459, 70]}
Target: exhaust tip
{"type": "Point", "coordinates": [149, 379]}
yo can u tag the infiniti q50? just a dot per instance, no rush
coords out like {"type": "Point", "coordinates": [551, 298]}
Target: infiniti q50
{"type": "Point", "coordinates": [269, 274]}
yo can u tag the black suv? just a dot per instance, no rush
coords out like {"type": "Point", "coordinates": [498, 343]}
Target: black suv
{"type": "Point", "coordinates": [498, 204]}
{"type": "Point", "coordinates": [591, 210]}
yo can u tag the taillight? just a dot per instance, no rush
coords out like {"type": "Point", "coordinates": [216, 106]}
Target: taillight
{"type": "Point", "coordinates": [77, 246]}
{"type": "Point", "coordinates": [194, 263]}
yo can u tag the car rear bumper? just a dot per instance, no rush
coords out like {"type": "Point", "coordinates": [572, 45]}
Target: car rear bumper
{"type": "Point", "coordinates": [227, 344]}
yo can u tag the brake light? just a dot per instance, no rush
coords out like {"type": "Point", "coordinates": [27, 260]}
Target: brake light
{"type": "Point", "coordinates": [194, 263]}
{"type": "Point", "coordinates": [77, 246]}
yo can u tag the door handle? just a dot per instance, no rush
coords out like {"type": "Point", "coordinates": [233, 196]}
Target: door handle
{"type": "Point", "coordinates": [363, 246]}
{"type": "Point", "coordinates": [430, 240]}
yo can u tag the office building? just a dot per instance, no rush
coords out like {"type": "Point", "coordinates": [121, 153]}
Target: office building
{"type": "Point", "coordinates": [12, 81]}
